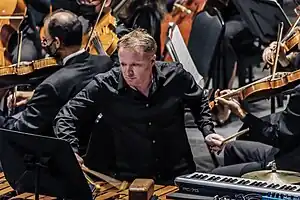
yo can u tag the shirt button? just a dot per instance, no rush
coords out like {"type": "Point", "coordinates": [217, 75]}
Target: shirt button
{"type": "Point", "coordinates": [149, 123]}
{"type": "Point", "coordinates": [147, 105]}
{"type": "Point", "coordinates": [153, 141]}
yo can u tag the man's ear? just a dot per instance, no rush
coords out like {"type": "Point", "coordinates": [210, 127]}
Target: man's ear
{"type": "Point", "coordinates": [153, 59]}
{"type": "Point", "coordinates": [57, 42]}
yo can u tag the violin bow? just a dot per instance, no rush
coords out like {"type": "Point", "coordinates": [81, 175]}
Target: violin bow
{"type": "Point", "coordinates": [279, 36]}
{"type": "Point", "coordinates": [93, 29]}
{"type": "Point", "coordinates": [119, 7]}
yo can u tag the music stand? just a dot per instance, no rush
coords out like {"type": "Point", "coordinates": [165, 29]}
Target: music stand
{"type": "Point", "coordinates": [41, 165]}
{"type": "Point", "coordinates": [263, 17]}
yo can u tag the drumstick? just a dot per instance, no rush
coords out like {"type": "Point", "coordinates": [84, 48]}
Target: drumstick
{"type": "Point", "coordinates": [114, 182]}
{"type": "Point", "coordinates": [235, 135]}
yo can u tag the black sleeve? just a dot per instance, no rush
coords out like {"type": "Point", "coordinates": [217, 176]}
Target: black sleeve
{"type": "Point", "coordinates": [41, 109]}
{"type": "Point", "coordinates": [78, 110]}
{"type": "Point", "coordinates": [197, 101]}
{"type": "Point", "coordinates": [264, 128]}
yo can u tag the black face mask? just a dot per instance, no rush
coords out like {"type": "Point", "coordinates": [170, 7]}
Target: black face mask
{"type": "Point", "coordinates": [50, 51]}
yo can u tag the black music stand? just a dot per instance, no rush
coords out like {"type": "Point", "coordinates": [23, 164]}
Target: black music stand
{"type": "Point", "coordinates": [263, 17]}
{"type": "Point", "coordinates": [42, 165]}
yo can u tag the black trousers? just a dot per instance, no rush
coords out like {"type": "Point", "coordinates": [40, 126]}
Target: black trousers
{"type": "Point", "coordinates": [241, 157]}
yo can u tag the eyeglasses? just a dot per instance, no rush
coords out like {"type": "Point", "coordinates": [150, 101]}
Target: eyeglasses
{"type": "Point", "coordinates": [45, 42]}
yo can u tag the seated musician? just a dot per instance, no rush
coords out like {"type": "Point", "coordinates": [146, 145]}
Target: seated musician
{"type": "Point", "coordinates": [63, 36]}
{"type": "Point", "coordinates": [142, 107]}
{"type": "Point", "coordinates": [276, 139]}
{"type": "Point", "coordinates": [36, 12]}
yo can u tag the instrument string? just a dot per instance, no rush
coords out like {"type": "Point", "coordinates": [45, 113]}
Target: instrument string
{"type": "Point", "coordinates": [93, 28]}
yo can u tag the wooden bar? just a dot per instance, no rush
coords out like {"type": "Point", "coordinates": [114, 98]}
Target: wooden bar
{"type": "Point", "coordinates": [106, 192]}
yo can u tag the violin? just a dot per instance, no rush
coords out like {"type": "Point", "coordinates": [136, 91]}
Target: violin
{"type": "Point", "coordinates": [103, 36]}
{"type": "Point", "coordinates": [265, 87]}
{"type": "Point", "coordinates": [12, 14]}
{"type": "Point", "coordinates": [291, 39]}
{"type": "Point", "coordinates": [25, 68]}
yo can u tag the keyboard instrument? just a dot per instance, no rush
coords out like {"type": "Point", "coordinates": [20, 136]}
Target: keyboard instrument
{"type": "Point", "coordinates": [211, 185]}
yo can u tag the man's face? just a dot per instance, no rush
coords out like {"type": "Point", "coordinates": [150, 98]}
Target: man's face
{"type": "Point", "coordinates": [136, 66]}
{"type": "Point", "coordinates": [51, 45]}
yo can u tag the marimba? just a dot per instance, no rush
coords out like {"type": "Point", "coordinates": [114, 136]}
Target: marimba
{"type": "Point", "coordinates": [107, 191]}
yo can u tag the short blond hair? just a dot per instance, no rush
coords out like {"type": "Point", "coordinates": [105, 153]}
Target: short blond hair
{"type": "Point", "coordinates": [138, 39]}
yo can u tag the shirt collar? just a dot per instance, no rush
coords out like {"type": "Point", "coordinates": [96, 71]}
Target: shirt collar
{"type": "Point", "coordinates": [65, 60]}
{"type": "Point", "coordinates": [157, 77]}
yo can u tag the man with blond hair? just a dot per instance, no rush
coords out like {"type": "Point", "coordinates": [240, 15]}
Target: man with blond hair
{"type": "Point", "coordinates": [142, 103]}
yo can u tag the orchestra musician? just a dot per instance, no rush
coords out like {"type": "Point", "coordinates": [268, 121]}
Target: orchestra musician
{"type": "Point", "coordinates": [62, 40]}
{"type": "Point", "coordinates": [36, 12]}
{"type": "Point", "coordinates": [275, 137]}
{"type": "Point", "coordinates": [142, 106]}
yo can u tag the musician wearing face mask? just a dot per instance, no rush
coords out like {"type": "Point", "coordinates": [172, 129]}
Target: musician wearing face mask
{"type": "Point", "coordinates": [274, 139]}
{"type": "Point", "coordinates": [36, 12]}
{"type": "Point", "coordinates": [62, 40]}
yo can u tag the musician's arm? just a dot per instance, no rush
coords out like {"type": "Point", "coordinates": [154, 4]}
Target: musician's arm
{"type": "Point", "coordinates": [77, 111]}
{"type": "Point", "coordinates": [39, 110]}
{"type": "Point", "coordinates": [261, 127]}
{"type": "Point", "coordinates": [197, 101]}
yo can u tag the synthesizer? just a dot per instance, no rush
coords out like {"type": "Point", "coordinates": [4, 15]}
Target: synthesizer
{"type": "Point", "coordinates": [211, 184]}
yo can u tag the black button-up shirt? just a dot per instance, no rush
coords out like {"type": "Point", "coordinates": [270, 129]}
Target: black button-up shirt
{"type": "Point", "coordinates": [149, 132]}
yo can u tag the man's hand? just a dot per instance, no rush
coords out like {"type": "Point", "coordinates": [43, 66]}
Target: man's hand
{"type": "Point", "coordinates": [222, 111]}
{"type": "Point", "coordinates": [214, 141]}
{"type": "Point", "coordinates": [21, 98]}
{"type": "Point", "coordinates": [268, 55]}
{"type": "Point", "coordinates": [233, 105]}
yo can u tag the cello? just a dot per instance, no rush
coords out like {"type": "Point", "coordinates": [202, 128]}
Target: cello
{"type": "Point", "coordinates": [183, 18]}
